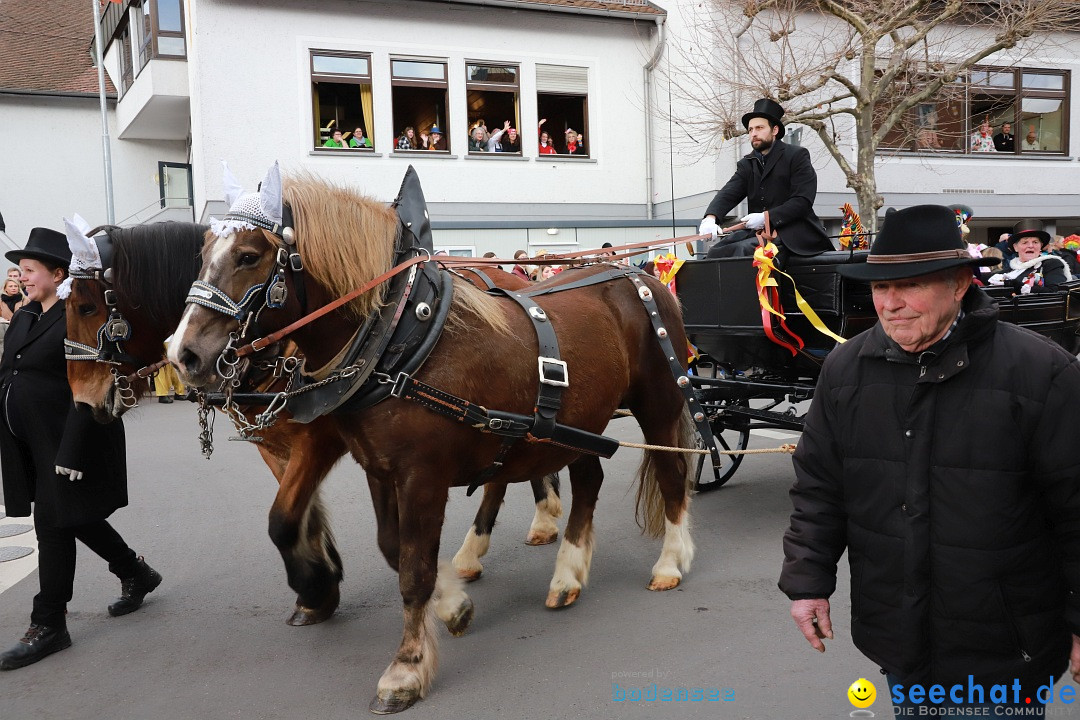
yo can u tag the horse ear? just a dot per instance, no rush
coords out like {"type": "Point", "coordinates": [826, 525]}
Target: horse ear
{"type": "Point", "coordinates": [76, 230]}
{"type": "Point", "coordinates": [233, 189]}
{"type": "Point", "coordinates": [270, 194]}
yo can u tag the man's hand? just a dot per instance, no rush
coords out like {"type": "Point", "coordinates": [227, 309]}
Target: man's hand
{"type": "Point", "coordinates": [69, 473]}
{"type": "Point", "coordinates": [708, 227]}
{"type": "Point", "coordinates": [812, 618]}
{"type": "Point", "coordinates": [754, 221]}
{"type": "Point", "coordinates": [1074, 659]}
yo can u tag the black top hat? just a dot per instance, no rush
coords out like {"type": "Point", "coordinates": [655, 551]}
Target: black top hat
{"type": "Point", "coordinates": [46, 245]}
{"type": "Point", "coordinates": [768, 109]}
{"type": "Point", "coordinates": [1029, 227]}
{"type": "Point", "coordinates": [915, 241]}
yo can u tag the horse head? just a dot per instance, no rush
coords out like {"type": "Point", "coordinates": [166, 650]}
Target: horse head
{"type": "Point", "coordinates": [278, 253]}
{"type": "Point", "coordinates": [122, 305]}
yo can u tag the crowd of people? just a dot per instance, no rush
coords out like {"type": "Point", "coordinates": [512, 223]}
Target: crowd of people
{"type": "Point", "coordinates": [1031, 260]}
{"type": "Point", "coordinates": [985, 140]}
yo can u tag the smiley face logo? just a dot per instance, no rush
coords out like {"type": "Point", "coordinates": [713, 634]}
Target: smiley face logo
{"type": "Point", "coordinates": [862, 693]}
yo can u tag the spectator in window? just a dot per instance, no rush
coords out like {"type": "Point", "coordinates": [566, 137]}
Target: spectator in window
{"type": "Point", "coordinates": [546, 148]}
{"type": "Point", "coordinates": [407, 140]}
{"type": "Point", "coordinates": [432, 139]}
{"type": "Point", "coordinates": [476, 140]}
{"type": "Point", "coordinates": [982, 140]}
{"type": "Point", "coordinates": [1031, 140]}
{"type": "Point", "coordinates": [1005, 141]}
{"type": "Point", "coordinates": [511, 141]}
{"type": "Point", "coordinates": [358, 140]}
{"type": "Point", "coordinates": [335, 140]}
{"type": "Point", "coordinates": [482, 124]}
{"type": "Point", "coordinates": [575, 142]}
{"type": "Point", "coordinates": [520, 269]}
{"type": "Point", "coordinates": [496, 142]}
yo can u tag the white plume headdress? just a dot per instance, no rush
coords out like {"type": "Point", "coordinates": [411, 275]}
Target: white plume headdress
{"type": "Point", "coordinates": [248, 211]}
{"type": "Point", "coordinates": [84, 252]}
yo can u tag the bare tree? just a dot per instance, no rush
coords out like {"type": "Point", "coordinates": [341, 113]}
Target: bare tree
{"type": "Point", "coordinates": [853, 71]}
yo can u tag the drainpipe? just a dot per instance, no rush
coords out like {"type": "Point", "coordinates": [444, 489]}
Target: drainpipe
{"type": "Point", "coordinates": [649, 66]}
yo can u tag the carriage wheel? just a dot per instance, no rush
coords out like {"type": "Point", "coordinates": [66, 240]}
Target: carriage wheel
{"type": "Point", "coordinates": [728, 436]}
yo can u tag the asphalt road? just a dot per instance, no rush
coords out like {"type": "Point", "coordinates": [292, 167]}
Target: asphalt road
{"type": "Point", "coordinates": [212, 641]}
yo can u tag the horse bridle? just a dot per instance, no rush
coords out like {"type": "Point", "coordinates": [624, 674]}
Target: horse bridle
{"type": "Point", "coordinates": [271, 293]}
{"type": "Point", "coordinates": [110, 334]}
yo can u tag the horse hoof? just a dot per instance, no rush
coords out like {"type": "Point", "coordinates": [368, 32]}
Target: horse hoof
{"type": "Point", "coordinates": [387, 703]}
{"type": "Point", "coordinates": [469, 575]}
{"type": "Point", "coordinates": [660, 583]}
{"type": "Point", "coordinates": [302, 616]}
{"type": "Point", "coordinates": [458, 624]}
{"type": "Point", "coordinates": [538, 538]}
{"type": "Point", "coordinates": [562, 598]}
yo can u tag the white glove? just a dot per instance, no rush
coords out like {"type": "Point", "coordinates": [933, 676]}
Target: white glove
{"type": "Point", "coordinates": [754, 221]}
{"type": "Point", "coordinates": [69, 473]}
{"type": "Point", "coordinates": [708, 227]}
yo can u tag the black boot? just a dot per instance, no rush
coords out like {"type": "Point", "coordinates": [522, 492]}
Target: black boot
{"type": "Point", "coordinates": [135, 588]}
{"type": "Point", "coordinates": [39, 642]}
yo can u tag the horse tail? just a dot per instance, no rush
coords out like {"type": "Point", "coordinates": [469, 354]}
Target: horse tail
{"type": "Point", "coordinates": [649, 512]}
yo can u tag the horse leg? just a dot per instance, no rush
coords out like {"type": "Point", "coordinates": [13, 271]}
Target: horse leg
{"type": "Point", "coordinates": [543, 530]}
{"type": "Point", "coordinates": [575, 553]}
{"type": "Point", "coordinates": [663, 497]}
{"type": "Point", "coordinates": [299, 527]}
{"type": "Point", "coordinates": [421, 511]}
{"type": "Point", "coordinates": [478, 537]}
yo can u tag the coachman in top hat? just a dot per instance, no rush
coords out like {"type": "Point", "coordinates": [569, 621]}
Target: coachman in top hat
{"type": "Point", "coordinates": [775, 177]}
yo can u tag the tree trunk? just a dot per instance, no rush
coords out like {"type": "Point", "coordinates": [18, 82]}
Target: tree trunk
{"type": "Point", "coordinates": [865, 185]}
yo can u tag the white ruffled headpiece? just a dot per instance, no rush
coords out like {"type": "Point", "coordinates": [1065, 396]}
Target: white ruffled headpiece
{"type": "Point", "coordinates": [84, 252]}
{"type": "Point", "coordinates": [248, 211]}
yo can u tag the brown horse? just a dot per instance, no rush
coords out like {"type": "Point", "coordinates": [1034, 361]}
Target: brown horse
{"type": "Point", "coordinates": [487, 354]}
{"type": "Point", "coordinates": [152, 268]}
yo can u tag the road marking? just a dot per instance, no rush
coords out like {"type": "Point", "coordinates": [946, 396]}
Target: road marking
{"type": "Point", "coordinates": [12, 571]}
{"type": "Point", "coordinates": [774, 434]}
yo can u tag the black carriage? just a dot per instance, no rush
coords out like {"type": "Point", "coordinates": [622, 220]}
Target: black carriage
{"type": "Point", "coordinates": [745, 381]}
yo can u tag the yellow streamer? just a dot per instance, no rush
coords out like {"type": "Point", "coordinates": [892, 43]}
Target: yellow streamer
{"type": "Point", "coordinates": [763, 258]}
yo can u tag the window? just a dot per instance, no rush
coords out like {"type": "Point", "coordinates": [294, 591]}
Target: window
{"type": "Point", "coordinates": [419, 98]}
{"type": "Point", "coordinates": [491, 95]}
{"type": "Point", "coordinates": [169, 26]}
{"type": "Point", "coordinates": [127, 70]}
{"type": "Point", "coordinates": [145, 35]}
{"type": "Point", "coordinates": [174, 184]}
{"type": "Point", "coordinates": [455, 250]}
{"type": "Point", "coordinates": [562, 101]}
{"type": "Point", "coordinates": [341, 96]}
{"type": "Point", "coordinates": [973, 115]}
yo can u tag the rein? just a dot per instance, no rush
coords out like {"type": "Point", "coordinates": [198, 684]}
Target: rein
{"type": "Point", "coordinates": [448, 261]}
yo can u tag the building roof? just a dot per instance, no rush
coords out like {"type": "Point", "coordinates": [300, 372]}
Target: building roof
{"type": "Point", "coordinates": [45, 47]}
{"type": "Point", "coordinates": [614, 8]}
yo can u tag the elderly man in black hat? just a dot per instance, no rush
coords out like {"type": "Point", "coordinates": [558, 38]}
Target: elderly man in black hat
{"type": "Point", "coordinates": [939, 452]}
{"type": "Point", "coordinates": [71, 470]}
{"type": "Point", "coordinates": [776, 178]}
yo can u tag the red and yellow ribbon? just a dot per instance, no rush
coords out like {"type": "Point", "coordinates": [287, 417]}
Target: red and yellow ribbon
{"type": "Point", "coordinates": [769, 299]}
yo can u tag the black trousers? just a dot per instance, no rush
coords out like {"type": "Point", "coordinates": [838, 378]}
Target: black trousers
{"type": "Point", "coordinates": [56, 565]}
{"type": "Point", "coordinates": [740, 243]}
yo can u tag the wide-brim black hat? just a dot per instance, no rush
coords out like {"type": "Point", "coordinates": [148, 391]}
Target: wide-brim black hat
{"type": "Point", "coordinates": [1029, 227]}
{"type": "Point", "coordinates": [915, 241]}
{"type": "Point", "coordinates": [46, 245]}
{"type": "Point", "coordinates": [768, 109]}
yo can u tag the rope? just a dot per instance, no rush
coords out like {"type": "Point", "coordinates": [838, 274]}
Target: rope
{"type": "Point", "coordinates": [785, 448]}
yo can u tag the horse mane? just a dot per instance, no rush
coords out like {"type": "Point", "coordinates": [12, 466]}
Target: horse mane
{"type": "Point", "coordinates": [344, 237]}
{"type": "Point", "coordinates": [154, 266]}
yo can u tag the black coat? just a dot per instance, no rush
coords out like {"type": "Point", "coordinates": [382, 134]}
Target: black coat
{"type": "Point", "coordinates": [954, 485]}
{"type": "Point", "coordinates": [786, 186]}
{"type": "Point", "coordinates": [50, 431]}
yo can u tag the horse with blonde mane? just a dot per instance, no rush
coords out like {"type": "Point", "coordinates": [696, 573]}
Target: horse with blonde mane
{"type": "Point", "coordinates": [487, 355]}
{"type": "Point", "coordinates": [152, 266]}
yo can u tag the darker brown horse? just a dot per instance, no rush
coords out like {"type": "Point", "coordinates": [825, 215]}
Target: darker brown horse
{"type": "Point", "coordinates": [487, 355]}
{"type": "Point", "coordinates": [151, 270]}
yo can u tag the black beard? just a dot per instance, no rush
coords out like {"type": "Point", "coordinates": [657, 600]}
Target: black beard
{"type": "Point", "coordinates": [763, 145]}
